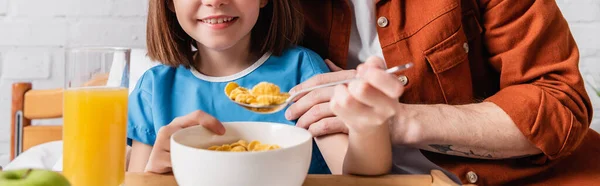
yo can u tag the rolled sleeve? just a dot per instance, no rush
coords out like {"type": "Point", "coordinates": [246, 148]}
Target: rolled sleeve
{"type": "Point", "coordinates": [542, 90]}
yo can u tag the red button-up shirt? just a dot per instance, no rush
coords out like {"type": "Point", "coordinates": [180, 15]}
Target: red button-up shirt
{"type": "Point", "coordinates": [519, 55]}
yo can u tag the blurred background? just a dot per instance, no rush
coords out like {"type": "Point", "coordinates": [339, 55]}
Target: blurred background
{"type": "Point", "coordinates": [35, 33]}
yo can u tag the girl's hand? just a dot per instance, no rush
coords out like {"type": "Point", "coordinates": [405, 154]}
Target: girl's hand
{"type": "Point", "coordinates": [160, 157]}
{"type": "Point", "coordinates": [369, 103]}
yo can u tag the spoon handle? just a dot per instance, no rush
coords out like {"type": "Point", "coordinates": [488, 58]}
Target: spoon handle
{"type": "Point", "coordinates": [389, 71]}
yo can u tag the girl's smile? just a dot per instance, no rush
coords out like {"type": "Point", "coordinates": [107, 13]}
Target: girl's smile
{"type": "Point", "coordinates": [218, 22]}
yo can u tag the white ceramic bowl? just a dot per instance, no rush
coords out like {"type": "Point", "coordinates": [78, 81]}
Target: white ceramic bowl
{"type": "Point", "coordinates": [288, 166]}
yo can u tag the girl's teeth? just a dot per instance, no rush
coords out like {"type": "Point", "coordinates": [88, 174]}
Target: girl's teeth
{"type": "Point", "coordinates": [217, 21]}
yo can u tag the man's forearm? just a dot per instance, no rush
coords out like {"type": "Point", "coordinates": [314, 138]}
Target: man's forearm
{"type": "Point", "coordinates": [481, 130]}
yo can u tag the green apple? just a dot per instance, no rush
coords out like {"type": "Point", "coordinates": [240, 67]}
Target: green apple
{"type": "Point", "coordinates": [32, 177]}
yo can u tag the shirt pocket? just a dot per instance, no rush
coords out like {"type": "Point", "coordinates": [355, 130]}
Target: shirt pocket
{"type": "Point", "coordinates": [449, 61]}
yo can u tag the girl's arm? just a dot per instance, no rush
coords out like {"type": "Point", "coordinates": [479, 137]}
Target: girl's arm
{"type": "Point", "coordinates": [369, 151]}
{"type": "Point", "coordinates": [140, 154]}
{"type": "Point", "coordinates": [374, 150]}
{"type": "Point", "coordinates": [333, 148]}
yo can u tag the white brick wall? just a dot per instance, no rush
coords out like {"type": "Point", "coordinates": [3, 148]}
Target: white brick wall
{"type": "Point", "coordinates": [39, 30]}
{"type": "Point", "coordinates": [85, 32]}
{"type": "Point", "coordinates": [584, 19]}
{"type": "Point", "coordinates": [3, 7]}
{"type": "Point", "coordinates": [60, 8]}
{"type": "Point", "coordinates": [30, 67]}
{"type": "Point", "coordinates": [18, 32]}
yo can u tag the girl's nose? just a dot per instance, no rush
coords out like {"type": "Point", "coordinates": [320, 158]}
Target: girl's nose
{"type": "Point", "coordinates": [215, 3]}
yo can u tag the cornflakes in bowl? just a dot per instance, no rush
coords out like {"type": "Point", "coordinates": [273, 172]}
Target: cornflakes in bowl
{"type": "Point", "coordinates": [280, 154]}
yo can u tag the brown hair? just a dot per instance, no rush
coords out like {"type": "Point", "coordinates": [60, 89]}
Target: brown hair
{"type": "Point", "coordinates": [280, 24]}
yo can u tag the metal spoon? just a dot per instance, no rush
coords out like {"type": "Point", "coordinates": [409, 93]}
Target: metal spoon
{"type": "Point", "coordinates": [268, 109]}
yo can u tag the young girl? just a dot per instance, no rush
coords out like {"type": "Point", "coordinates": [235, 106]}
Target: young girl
{"type": "Point", "coordinates": [244, 41]}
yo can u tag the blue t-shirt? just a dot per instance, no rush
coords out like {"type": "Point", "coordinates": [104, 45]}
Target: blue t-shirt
{"type": "Point", "coordinates": [164, 93]}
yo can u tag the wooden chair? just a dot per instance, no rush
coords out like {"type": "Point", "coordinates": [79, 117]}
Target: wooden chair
{"type": "Point", "coordinates": [27, 105]}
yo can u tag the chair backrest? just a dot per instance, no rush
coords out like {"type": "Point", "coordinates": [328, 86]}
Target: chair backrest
{"type": "Point", "coordinates": [28, 104]}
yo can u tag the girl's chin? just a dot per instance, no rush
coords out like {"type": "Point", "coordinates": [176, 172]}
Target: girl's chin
{"type": "Point", "coordinates": [218, 46]}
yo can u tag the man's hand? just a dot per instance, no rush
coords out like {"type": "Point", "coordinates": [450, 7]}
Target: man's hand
{"type": "Point", "coordinates": [312, 109]}
{"type": "Point", "coordinates": [369, 102]}
{"type": "Point", "coordinates": [160, 157]}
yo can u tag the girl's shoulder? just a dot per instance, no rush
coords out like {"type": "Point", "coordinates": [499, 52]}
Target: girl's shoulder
{"type": "Point", "coordinates": [305, 60]}
{"type": "Point", "coordinates": [300, 54]}
{"type": "Point", "coordinates": [300, 50]}
{"type": "Point", "coordinates": [160, 70]}
{"type": "Point", "coordinates": [155, 74]}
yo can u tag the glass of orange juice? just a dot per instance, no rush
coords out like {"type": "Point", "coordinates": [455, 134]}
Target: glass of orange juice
{"type": "Point", "coordinates": [95, 116]}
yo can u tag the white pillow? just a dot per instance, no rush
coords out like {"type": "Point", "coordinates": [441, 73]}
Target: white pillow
{"type": "Point", "coordinates": [42, 156]}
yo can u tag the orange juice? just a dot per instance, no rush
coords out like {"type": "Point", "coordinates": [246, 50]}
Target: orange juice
{"type": "Point", "coordinates": [94, 136]}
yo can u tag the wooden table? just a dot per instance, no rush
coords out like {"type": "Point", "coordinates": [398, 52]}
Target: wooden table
{"type": "Point", "coordinates": [436, 178]}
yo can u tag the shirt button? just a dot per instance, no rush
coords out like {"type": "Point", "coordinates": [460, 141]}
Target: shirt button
{"type": "Point", "coordinates": [466, 47]}
{"type": "Point", "coordinates": [382, 22]}
{"type": "Point", "coordinates": [472, 177]}
{"type": "Point", "coordinates": [403, 79]}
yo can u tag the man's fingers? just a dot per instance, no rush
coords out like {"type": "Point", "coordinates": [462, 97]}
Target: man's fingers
{"type": "Point", "coordinates": [314, 114]}
{"type": "Point", "coordinates": [324, 78]}
{"type": "Point", "coordinates": [332, 66]}
{"type": "Point", "coordinates": [330, 125]}
{"type": "Point", "coordinates": [300, 107]}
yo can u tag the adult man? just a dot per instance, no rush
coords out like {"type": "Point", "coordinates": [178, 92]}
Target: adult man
{"type": "Point", "coordinates": [495, 95]}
